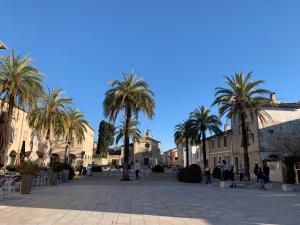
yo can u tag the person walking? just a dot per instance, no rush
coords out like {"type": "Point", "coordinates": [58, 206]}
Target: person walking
{"type": "Point", "coordinates": [260, 178]}
{"type": "Point", "coordinates": [207, 175]}
{"type": "Point", "coordinates": [137, 168]}
{"type": "Point", "coordinates": [226, 172]}
{"type": "Point", "coordinates": [256, 170]}
{"type": "Point", "coordinates": [266, 171]}
{"type": "Point", "coordinates": [231, 174]}
{"type": "Point", "coordinates": [242, 172]}
{"type": "Point", "coordinates": [221, 168]}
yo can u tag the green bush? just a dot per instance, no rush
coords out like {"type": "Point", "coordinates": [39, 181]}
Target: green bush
{"type": "Point", "coordinates": [57, 167]}
{"type": "Point", "coordinates": [216, 173]}
{"type": "Point", "coordinates": [96, 168]}
{"type": "Point", "coordinates": [191, 174]}
{"type": "Point", "coordinates": [158, 169]}
{"type": "Point", "coordinates": [27, 168]}
{"type": "Point", "coordinates": [11, 168]}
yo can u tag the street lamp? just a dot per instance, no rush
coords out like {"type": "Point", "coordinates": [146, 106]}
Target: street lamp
{"type": "Point", "coordinates": [2, 45]}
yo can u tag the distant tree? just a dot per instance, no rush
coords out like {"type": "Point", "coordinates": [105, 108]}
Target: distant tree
{"type": "Point", "coordinates": [203, 121]}
{"type": "Point", "coordinates": [185, 134]}
{"type": "Point", "coordinates": [105, 138]}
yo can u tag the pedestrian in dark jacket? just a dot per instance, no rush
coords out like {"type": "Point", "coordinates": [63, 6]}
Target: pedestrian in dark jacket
{"type": "Point", "coordinates": [260, 177]}
{"type": "Point", "coordinates": [256, 170]}
{"type": "Point", "coordinates": [231, 174]}
{"type": "Point", "coordinates": [266, 171]}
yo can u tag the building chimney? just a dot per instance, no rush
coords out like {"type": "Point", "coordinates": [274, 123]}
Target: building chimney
{"type": "Point", "coordinates": [273, 98]}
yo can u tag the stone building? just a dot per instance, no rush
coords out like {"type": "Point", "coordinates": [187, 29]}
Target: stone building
{"type": "Point", "coordinates": [146, 150]}
{"type": "Point", "coordinates": [219, 147]}
{"type": "Point", "coordinates": [173, 157]}
{"type": "Point", "coordinates": [272, 140]}
{"type": "Point", "coordinates": [22, 134]}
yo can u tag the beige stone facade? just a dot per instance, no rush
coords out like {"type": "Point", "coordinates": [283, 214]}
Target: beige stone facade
{"type": "Point", "coordinates": [21, 132]}
{"type": "Point", "coordinates": [173, 157]}
{"type": "Point", "coordinates": [272, 140]}
{"type": "Point", "coordinates": [218, 148]}
{"type": "Point", "coordinates": [146, 150]}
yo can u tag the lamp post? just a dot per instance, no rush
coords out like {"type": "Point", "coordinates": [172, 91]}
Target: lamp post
{"type": "Point", "coordinates": [2, 45]}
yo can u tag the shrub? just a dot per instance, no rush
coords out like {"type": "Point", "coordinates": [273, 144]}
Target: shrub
{"type": "Point", "coordinates": [96, 168]}
{"type": "Point", "coordinates": [158, 169]}
{"type": "Point", "coordinates": [27, 168]}
{"type": "Point", "coordinates": [11, 168]}
{"type": "Point", "coordinates": [191, 174]}
{"type": "Point", "coordinates": [57, 167]}
{"type": "Point", "coordinates": [195, 166]}
{"type": "Point", "coordinates": [216, 173]}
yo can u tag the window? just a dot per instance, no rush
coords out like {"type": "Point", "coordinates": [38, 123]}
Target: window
{"type": "Point", "coordinates": [215, 161]}
{"type": "Point", "coordinates": [225, 141]}
{"type": "Point", "coordinates": [219, 142]}
{"type": "Point", "coordinates": [212, 144]}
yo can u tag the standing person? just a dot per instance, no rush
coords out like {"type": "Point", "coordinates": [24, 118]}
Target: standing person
{"type": "Point", "coordinates": [260, 178]}
{"type": "Point", "coordinates": [231, 174]}
{"type": "Point", "coordinates": [137, 168]}
{"type": "Point", "coordinates": [221, 168]}
{"type": "Point", "coordinates": [256, 170]}
{"type": "Point", "coordinates": [242, 172]}
{"type": "Point", "coordinates": [266, 171]}
{"type": "Point", "coordinates": [207, 175]}
{"type": "Point", "coordinates": [226, 174]}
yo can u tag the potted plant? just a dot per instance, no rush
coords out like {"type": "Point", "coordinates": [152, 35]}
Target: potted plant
{"type": "Point", "coordinates": [290, 175]}
{"type": "Point", "coordinates": [56, 168]}
{"type": "Point", "coordinates": [27, 171]}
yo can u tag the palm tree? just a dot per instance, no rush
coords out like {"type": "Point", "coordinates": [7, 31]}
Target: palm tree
{"type": "Point", "coordinates": [131, 96]}
{"type": "Point", "coordinates": [20, 86]}
{"type": "Point", "coordinates": [184, 132]}
{"type": "Point", "coordinates": [2, 45]}
{"type": "Point", "coordinates": [133, 131]}
{"type": "Point", "coordinates": [241, 99]}
{"type": "Point", "coordinates": [202, 121]}
{"type": "Point", "coordinates": [51, 114]}
{"type": "Point", "coordinates": [76, 126]}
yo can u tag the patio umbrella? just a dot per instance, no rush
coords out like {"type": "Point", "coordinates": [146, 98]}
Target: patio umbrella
{"type": "Point", "coordinates": [47, 153]}
{"type": "Point", "coordinates": [22, 153]}
{"type": "Point", "coordinates": [17, 159]}
{"type": "Point", "coordinates": [35, 147]}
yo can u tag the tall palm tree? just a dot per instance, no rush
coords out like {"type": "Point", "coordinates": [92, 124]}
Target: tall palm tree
{"type": "Point", "coordinates": [184, 133]}
{"type": "Point", "coordinates": [242, 98]}
{"type": "Point", "coordinates": [75, 128]}
{"type": "Point", "coordinates": [202, 121]}
{"type": "Point", "coordinates": [130, 96]}
{"type": "Point", "coordinates": [51, 114]}
{"type": "Point", "coordinates": [20, 86]}
{"type": "Point", "coordinates": [133, 131]}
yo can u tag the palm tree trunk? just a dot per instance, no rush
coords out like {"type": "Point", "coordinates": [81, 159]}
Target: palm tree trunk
{"type": "Point", "coordinates": [187, 152]}
{"type": "Point", "coordinates": [245, 147]}
{"type": "Point", "coordinates": [11, 104]}
{"type": "Point", "coordinates": [204, 148]}
{"type": "Point", "coordinates": [126, 145]}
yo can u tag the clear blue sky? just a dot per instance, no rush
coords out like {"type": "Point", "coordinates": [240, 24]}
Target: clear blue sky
{"type": "Point", "coordinates": [182, 48]}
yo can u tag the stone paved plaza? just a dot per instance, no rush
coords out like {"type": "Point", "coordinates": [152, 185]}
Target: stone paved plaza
{"type": "Point", "coordinates": [157, 201]}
